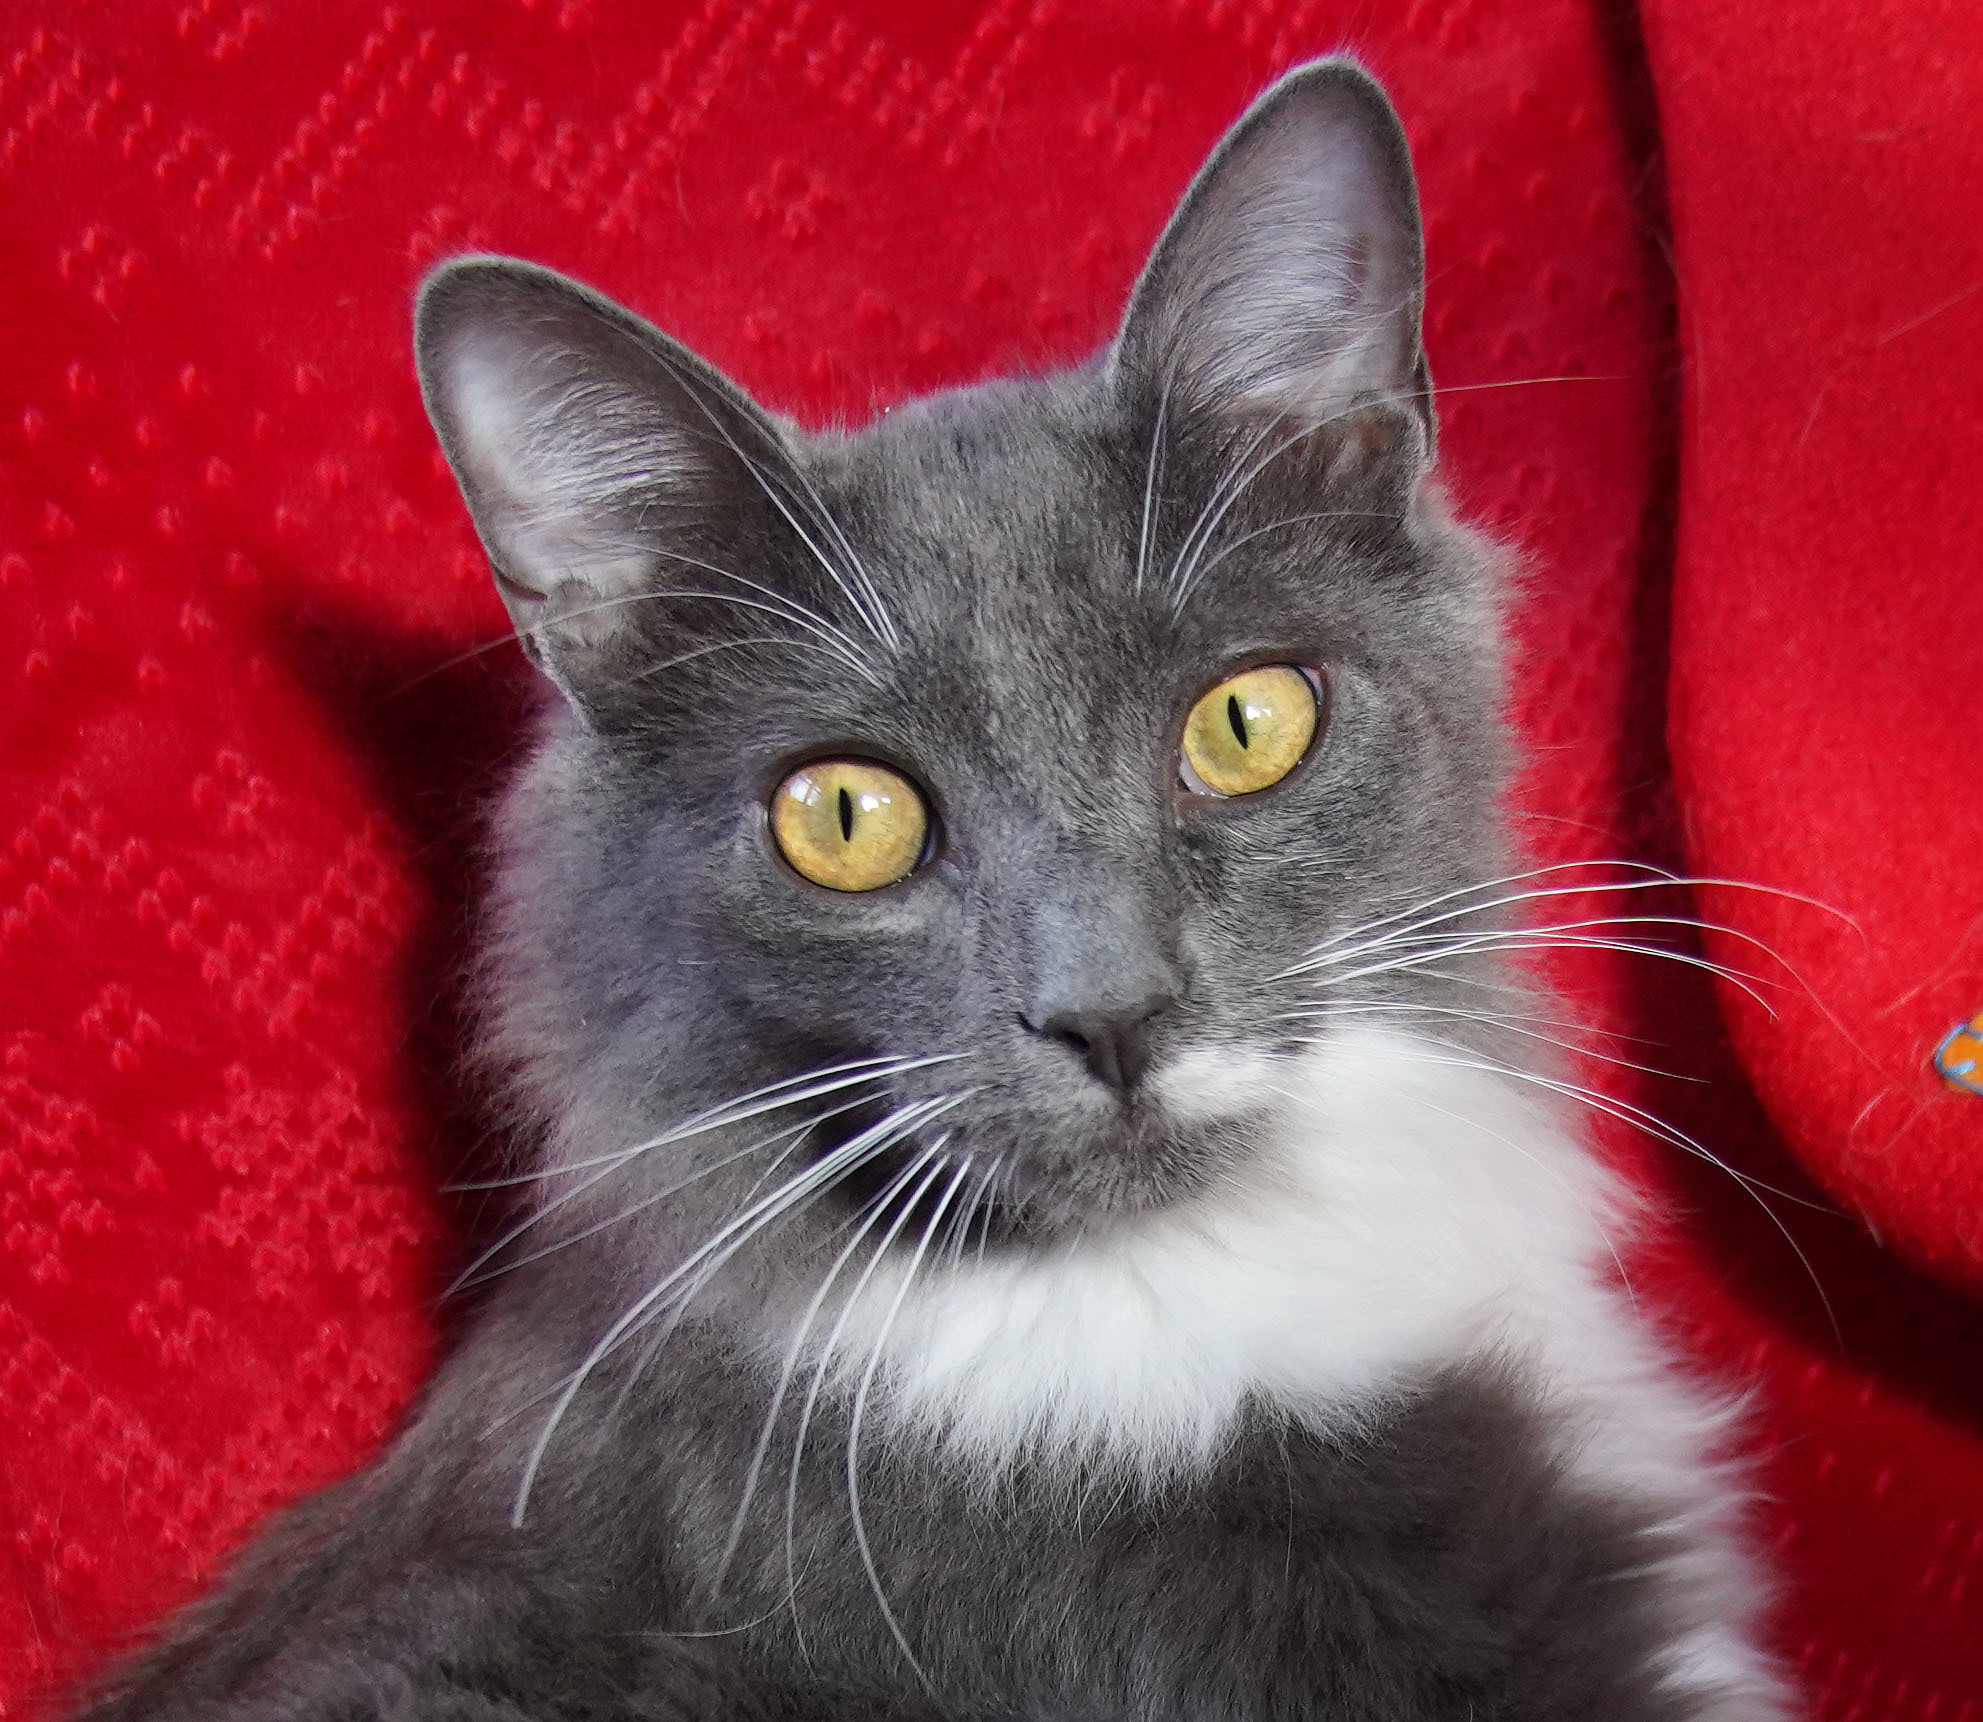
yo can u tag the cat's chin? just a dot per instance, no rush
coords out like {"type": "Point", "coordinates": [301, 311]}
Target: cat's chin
{"type": "Point", "coordinates": [1142, 1161]}
{"type": "Point", "coordinates": [1010, 1180]}
{"type": "Point", "coordinates": [1010, 1169]}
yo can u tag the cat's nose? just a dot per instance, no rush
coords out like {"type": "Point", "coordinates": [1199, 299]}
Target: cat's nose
{"type": "Point", "coordinates": [1104, 965]}
{"type": "Point", "coordinates": [1114, 1041]}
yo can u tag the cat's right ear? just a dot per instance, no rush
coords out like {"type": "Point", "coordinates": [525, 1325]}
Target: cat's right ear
{"type": "Point", "coordinates": [1288, 285]}
{"type": "Point", "coordinates": [592, 449]}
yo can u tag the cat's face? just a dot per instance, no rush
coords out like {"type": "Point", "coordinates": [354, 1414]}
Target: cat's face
{"type": "Point", "coordinates": [1002, 606]}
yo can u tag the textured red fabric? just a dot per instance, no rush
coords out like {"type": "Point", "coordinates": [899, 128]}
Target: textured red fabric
{"type": "Point", "coordinates": [246, 725]}
{"type": "Point", "coordinates": [1828, 614]}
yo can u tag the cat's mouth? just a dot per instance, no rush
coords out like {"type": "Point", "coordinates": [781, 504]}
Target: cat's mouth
{"type": "Point", "coordinates": [1000, 1179]}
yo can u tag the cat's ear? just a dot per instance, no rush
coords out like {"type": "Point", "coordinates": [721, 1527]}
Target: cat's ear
{"type": "Point", "coordinates": [592, 449]}
{"type": "Point", "coordinates": [1289, 284]}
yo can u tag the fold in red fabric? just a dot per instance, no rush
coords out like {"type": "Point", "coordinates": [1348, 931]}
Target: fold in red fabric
{"type": "Point", "coordinates": [1827, 190]}
{"type": "Point", "coordinates": [246, 720]}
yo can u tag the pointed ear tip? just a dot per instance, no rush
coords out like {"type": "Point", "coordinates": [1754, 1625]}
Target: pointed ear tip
{"type": "Point", "coordinates": [1336, 88]}
{"type": "Point", "coordinates": [1335, 75]}
{"type": "Point", "coordinates": [443, 294]}
{"type": "Point", "coordinates": [479, 290]}
{"type": "Point", "coordinates": [455, 297]}
{"type": "Point", "coordinates": [486, 277]}
{"type": "Point", "coordinates": [454, 280]}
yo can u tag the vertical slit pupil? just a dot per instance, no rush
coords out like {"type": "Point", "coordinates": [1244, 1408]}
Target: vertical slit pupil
{"type": "Point", "coordinates": [1237, 719]}
{"type": "Point", "coordinates": [846, 817]}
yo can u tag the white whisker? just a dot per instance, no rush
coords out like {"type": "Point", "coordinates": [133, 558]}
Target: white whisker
{"type": "Point", "coordinates": [1507, 1022]}
{"type": "Point", "coordinates": [754, 1103]}
{"type": "Point", "coordinates": [769, 1097]}
{"type": "Point", "coordinates": [928, 1159]}
{"type": "Point", "coordinates": [1658, 876]}
{"type": "Point", "coordinates": [859, 588]}
{"type": "Point", "coordinates": [1152, 478]}
{"type": "Point", "coordinates": [861, 1404]}
{"type": "Point", "coordinates": [960, 1229]}
{"type": "Point", "coordinates": [1652, 879]}
{"type": "Point", "coordinates": [788, 607]}
{"type": "Point", "coordinates": [1658, 1128]}
{"type": "Point", "coordinates": [1536, 939]}
{"type": "Point", "coordinates": [821, 1174]}
{"type": "Point", "coordinates": [1001, 1172]}
{"type": "Point", "coordinates": [1555, 1177]}
{"type": "Point", "coordinates": [793, 1355]}
{"type": "Point", "coordinates": [1237, 479]}
{"type": "Point", "coordinates": [480, 1273]}
{"type": "Point", "coordinates": [1233, 545]}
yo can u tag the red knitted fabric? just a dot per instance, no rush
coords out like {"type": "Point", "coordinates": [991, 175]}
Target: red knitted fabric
{"type": "Point", "coordinates": [244, 728]}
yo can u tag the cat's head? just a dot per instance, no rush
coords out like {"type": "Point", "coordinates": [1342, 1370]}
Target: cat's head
{"type": "Point", "coordinates": [885, 789]}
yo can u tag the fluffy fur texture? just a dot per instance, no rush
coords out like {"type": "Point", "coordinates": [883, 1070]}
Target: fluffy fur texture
{"type": "Point", "coordinates": [1124, 1268]}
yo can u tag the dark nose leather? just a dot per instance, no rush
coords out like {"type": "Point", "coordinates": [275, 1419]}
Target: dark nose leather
{"type": "Point", "coordinates": [1103, 972]}
{"type": "Point", "coordinates": [1114, 1042]}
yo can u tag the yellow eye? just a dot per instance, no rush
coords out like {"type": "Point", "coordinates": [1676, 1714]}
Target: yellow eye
{"type": "Point", "coordinates": [1251, 731]}
{"type": "Point", "coordinates": [849, 824]}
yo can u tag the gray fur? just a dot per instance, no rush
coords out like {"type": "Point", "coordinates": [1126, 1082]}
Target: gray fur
{"type": "Point", "coordinates": [1012, 594]}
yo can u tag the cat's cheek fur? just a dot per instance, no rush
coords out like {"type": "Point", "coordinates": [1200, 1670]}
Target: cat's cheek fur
{"type": "Point", "coordinates": [1410, 1210]}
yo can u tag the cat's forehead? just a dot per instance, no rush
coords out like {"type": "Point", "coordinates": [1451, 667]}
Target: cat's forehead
{"type": "Point", "coordinates": [1034, 527]}
{"type": "Point", "coordinates": [993, 522]}
{"type": "Point", "coordinates": [1000, 484]}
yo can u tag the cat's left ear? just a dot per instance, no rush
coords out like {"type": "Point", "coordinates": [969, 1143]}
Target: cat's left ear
{"type": "Point", "coordinates": [1290, 283]}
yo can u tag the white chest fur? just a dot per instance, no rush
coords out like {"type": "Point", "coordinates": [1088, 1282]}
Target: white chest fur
{"type": "Point", "coordinates": [1415, 1209]}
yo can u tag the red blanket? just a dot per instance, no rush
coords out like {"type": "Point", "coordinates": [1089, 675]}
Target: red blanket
{"type": "Point", "coordinates": [1706, 291]}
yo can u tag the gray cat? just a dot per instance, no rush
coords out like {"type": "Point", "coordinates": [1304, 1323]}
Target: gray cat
{"type": "Point", "coordinates": [1044, 1205]}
